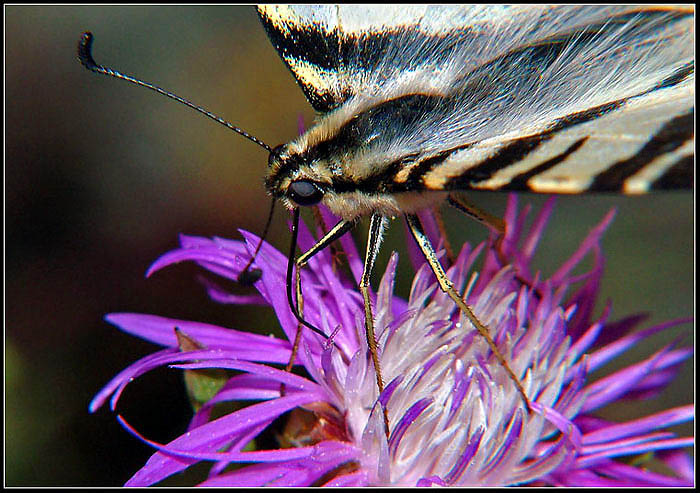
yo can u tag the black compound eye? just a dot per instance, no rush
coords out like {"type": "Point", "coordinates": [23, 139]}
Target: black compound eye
{"type": "Point", "coordinates": [305, 192]}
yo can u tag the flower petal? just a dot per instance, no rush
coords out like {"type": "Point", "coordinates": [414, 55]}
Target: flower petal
{"type": "Point", "coordinates": [160, 330]}
{"type": "Point", "coordinates": [317, 461]}
{"type": "Point", "coordinates": [214, 435]}
{"type": "Point", "coordinates": [641, 425]}
{"type": "Point", "coordinates": [639, 448]}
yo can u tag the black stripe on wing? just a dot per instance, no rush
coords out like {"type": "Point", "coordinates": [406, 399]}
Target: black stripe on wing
{"type": "Point", "coordinates": [331, 65]}
{"type": "Point", "coordinates": [679, 175]}
{"type": "Point", "coordinates": [677, 77]}
{"type": "Point", "coordinates": [518, 149]}
{"type": "Point", "coordinates": [322, 50]}
{"type": "Point", "coordinates": [519, 182]}
{"type": "Point", "coordinates": [670, 137]}
{"type": "Point", "coordinates": [307, 48]}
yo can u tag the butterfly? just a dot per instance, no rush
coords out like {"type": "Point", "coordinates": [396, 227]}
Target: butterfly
{"type": "Point", "coordinates": [418, 103]}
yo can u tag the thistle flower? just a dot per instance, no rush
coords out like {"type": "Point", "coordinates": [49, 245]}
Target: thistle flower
{"type": "Point", "coordinates": [455, 416]}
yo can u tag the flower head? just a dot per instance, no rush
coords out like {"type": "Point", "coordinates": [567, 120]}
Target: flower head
{"type": "Point", "coordinates": [455, 416]}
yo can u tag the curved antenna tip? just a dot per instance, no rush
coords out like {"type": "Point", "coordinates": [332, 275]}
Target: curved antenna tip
{"type": "Point", "coordinates": [85, 50]}
{"type": "Point", "coordinates": [85, 58]}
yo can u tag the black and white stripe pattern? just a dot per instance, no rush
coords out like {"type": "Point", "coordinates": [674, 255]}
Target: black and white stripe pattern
{"type": "Point", "coordinates": [413, 99]}
{"type": "Point", "coordinates": [652, 150]}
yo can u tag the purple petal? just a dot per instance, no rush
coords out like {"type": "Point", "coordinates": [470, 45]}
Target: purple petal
{"type": "Point", "coordinates": [214, 435]}
{"type": "Point", "coordinates": [580, 346]}
{"type": "Point", "coordinates": [385, 292]}
{"type": "Point", "coordinates": [680, 462]}
{"type": "Point", "coordinates": [317, 461]}
{"type": "Point", "coordinates": [589, 423]}
{"type": "Point", "coordinates": [251, 476]}
{"type": "Point", "coordinates": [341, 304]}
{"type": "Point", "coordinates": [357, 478]}
{"type": "Point", "coordinates": [465, 458]}
{"type": "Point", "coordinates": [513, 433]}
{"type": "Point", "coordinates": [614, 386]}
{"type": "Point", "coordinates": [572, 396]}
{"type": "Point", "coordinates": [128, 374]}
{"type": "Point", "coordinates": [272, 284]}
{"type": "Point", "coordinates": [564, 425]}
{"type": "Point", "coordinates": [160, 330]}
{"type": "Point", "coordinates": [513, 225]}
{"type": "Point", "coordinates": [389, 390]}
{"type": "Point", "coordinates": [585, 300]}
{"type": "Point", "coordinates": [406, 420]}
{"type": "Point", "coordinates": [590, 479]}
{"type": "Point", "coordinates": [414, 253]}
{"type": "Point", "coordinates": [651, 385]}
{"type": "Point", "coordinates": [220, 295]}
{"type": "Point", "coordinates": [289, 379]}
{"type": "Point", "coordinates": [591, 240]}
{"type": "Point", "coordinates": [620, 328]}
{"type": "Point", "coordinates": [431, 481]}
{"type": "Point", "coordinates": [641, 448]}
{"type": "Point", "coordinates": [323, 449]}
{"type": "Point", "coordinates": [460, 389]}
{"type": "Point", "coordinates": [625, 442]}
{"type": "Point", "coordinates": [538, 225]}
{"type": "Point", "coordinates": [641, 425]}
{"type": "Point", "coordinates": [312, 364]}
{"type": "Point", "coordinates": [614, 349]}
{"type": "Point", "coordinates": [640, 476]}
{"type": "Point", "coordinates": [241, 441]}
{"type": "Point", "coordinates": [432, 229]}
{"type": "Point", "coordinates": [221, 262]}
{"type": "Point", "coordinates": [548, 459]}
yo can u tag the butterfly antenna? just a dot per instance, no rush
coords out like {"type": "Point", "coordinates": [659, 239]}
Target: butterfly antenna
{"type": "Point", "coordinates": [249, 276]}
{"type": "Point", "coordinates": [85, 57]}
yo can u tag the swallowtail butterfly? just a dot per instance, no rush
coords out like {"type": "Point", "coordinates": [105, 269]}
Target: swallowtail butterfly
{"type": "Point", "coordinates": [418, 103]}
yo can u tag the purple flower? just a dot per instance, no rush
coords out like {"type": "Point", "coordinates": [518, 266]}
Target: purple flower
{"type": "Point", "coordinates": [456, 418]}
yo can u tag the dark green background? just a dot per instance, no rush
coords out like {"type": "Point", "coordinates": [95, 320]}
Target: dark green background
{"type": "Point", "coordinates": [101, 176]}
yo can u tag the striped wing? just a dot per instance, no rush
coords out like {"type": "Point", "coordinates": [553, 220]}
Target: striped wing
{"type": "Point", "coordinates": [547, 99]}
{"type": "Point", "coordinates": [339, 51]}
{"type": "Point", "coordinates": [631, 146]}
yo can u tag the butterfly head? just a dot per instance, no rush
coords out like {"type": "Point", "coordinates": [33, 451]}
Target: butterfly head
{"type": "Point", "coordinates": [302, 176]}
{"type": "Point", "coordinates": [295, 179]}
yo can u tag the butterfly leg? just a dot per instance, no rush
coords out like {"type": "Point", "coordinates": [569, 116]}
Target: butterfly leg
{"type": "Point", "coordinates": [376, 234]}
{"type": "Point", "coordinates": [446, 286]}
{"type": "Point", "coordinates": [337, 252]}
{"type": "Point", "coordinates": [297, 308]}
{"type": "Point", "coordinates": [248, 277]}
{"type": "Point", "coordinates": [495, 223]}
{"type": "Point", "coordinates": [439, 220]}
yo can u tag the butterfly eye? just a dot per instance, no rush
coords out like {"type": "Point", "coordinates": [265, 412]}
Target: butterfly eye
{"type": "Point", "coordinates": [305, 192]}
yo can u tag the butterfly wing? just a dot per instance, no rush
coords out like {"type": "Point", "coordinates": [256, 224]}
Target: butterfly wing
{"type": "Point", "coordinates": [550, 99]}
{"type": "Point", "coordinates": [629, 146]}
{"type": "Point", "coordinates": [336, 52]}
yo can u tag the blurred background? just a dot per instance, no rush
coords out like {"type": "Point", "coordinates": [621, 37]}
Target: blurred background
{"type": "Point", "coordinates": [101, 176]}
